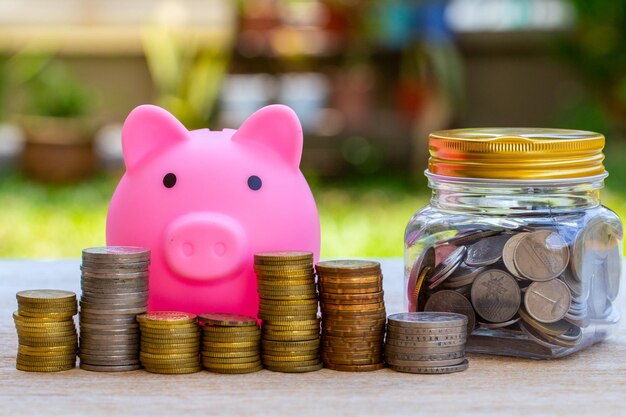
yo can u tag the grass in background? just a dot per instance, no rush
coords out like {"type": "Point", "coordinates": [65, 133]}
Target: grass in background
{"type": "Point", "coordinates": [359, 218]}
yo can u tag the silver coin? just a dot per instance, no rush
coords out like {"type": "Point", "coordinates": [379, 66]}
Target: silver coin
{"type": "Point", "coordinates": [116, 252]}
{"type": "Point", "coordinates": [499, 325]}
{"type": "Point", "coordinates": [464, 237]}
{"type": "Point", "coordinates": [130, 296]}
{"type": "Point", "coordinates": [117, 311]}
{"type": "Point", "coordinates": [447, 267]}
{"type": "Point", "coordinates": [486, 251]}
{"type": "Point", "coordinates": [105, 368]}
{"type": "Point", "coordinates": [613, 271]}
{"type": "Point", "coordinates": [548, 301]}
{"type": "Point", "coordinates": [419, 356]}
{"type": "Point", "coordinates": [541, 255]}
{"type": "Point", "coordinates": [453, 302]}
{"type": "Point", "coordinates": [429, 363]}
{"type": "Point", "coordinates": [462, 276]}
{"type": "Point", "coordinates": [112, 276]}
{"type": "Point", "coordinates": [432, 370]}
{"type": "Point", "coordinates": [101, 268]}
{"type": "Point", "coordinates": [425, 344]}
{"type": "Point", "coordinates": [426, 330]}
{"type": "Point", "coordinates": [508, 253]}
{"type": "Point", "coordinates": [496, 296]}
{"type": "Point", "coordinates": [427, 320]}
{"type": "Point", "coordinates": [426, 338]}
{"type": "Point", "coordinates": [598, 302]}
{"type": "Point", "coordinates": [440, 350]}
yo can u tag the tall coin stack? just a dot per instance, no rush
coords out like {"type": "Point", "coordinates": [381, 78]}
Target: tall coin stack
{"type": "Point", "coordinates": [170, 342]}
{"type": "Point", "coordinates": [353, 315]}
{"type": "Point", "coordinates": [114, 290]}
{"type": "Point", "coordinates": [231, 343]}
{"type": "Point", "coordinates": [426, 343]}
{"type": "Point", "coordinates": [288, 307]}
{"type": "Point", "coordinates": [46, 331]}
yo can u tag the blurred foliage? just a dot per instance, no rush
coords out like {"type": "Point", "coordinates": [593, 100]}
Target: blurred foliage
{"type": "Point", "coordinates": [363, 216]}
{"type": "Point", "coordinates": [187, 77]}
{"type": "Point", "coordinates": [3, 86]}
{"type": "Point", "coordinates": [50, 88]}
{"type": "Point", "coordinates": [596, 49]}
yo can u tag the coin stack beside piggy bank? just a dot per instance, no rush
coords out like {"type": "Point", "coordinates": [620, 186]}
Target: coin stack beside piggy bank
{"type": "Point", "coordinates": [539, 284]}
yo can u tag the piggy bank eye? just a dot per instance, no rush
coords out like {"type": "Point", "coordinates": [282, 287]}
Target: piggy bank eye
{"type": "Point", "coordinates": [254, 182]}
{"type": "Point", "coordinates": [169, 180]}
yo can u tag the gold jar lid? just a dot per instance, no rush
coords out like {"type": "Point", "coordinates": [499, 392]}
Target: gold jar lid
{"type": "Point", "coordinates": [516, 153]}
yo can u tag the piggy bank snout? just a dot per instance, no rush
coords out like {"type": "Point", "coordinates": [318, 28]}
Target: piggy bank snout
{"type": "Point", "coordinates": [205, 246]}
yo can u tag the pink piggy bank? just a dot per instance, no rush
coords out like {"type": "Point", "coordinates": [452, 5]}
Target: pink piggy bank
{"type": "Point", "coordinates": [204, 202]}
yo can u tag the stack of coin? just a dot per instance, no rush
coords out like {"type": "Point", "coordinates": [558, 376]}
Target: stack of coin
{"type": "Point", "coordinates": [353, 315]}
{"type": "Point", "coordinates": [46, 330]}
{"type": "Point", "coordinates": [288, 307]}
{"type": "Point", "coordinates": [426, 343]}
{"type": "Point", "coordinates": [114, 290]}
{"type": "Point", "coordinates": [170, 342]}
{"type": "Point", "coordinates": [231, 343]}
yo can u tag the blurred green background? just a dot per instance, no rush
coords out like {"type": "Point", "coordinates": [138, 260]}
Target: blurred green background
{"type": "Point", "coordinates": [368, 79]}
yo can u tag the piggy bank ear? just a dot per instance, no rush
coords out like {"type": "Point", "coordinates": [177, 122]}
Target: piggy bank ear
{"type": "Point", "coordinates": [276, 127]}
{"type": "Point", "coordinates": [148, 129]}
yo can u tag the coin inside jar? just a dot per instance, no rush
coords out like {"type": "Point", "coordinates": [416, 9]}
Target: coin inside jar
{"type": "Point", "coordinates": [486, 251]}
{"type": "Point", "coordinates": [548, 301]}
{"type": "Point", "coordinates": [496, 295]}
{"type": "Point", "coordinates": [541, 255]}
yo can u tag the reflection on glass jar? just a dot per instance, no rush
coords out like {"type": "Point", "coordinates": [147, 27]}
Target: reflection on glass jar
{"type": "Point", "coordinates": [515, 237]}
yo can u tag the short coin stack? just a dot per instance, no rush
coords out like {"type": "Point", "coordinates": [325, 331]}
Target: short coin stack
{"type": "Point", "coordinates": [114, 290]}
{"type": "Point", "coordinates": [426, 343]}
{"type": "Point", "coordinates": [46, 330]}
{"type": "Point", "coordinates": [288, 307]}
{"type": "Point", "coordinates": [353, 315]}
{"type": "Point", "coordinates": [170, 342]}
{"type": "Point", "coordinates": [231, 343]}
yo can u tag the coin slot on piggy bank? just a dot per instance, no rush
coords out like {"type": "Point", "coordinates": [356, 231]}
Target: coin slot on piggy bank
{"type": "Point", "coordinates": [205, 201]}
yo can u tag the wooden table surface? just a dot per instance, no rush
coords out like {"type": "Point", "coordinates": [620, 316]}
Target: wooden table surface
{"type": "Point", "coordinates": [592, 382]}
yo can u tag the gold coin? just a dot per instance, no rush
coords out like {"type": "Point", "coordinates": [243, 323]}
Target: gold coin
{"type": "Point", "coordinates": [255, 339]}
{"type": "Point", "coordinates": [234, 329]}
{"type": "Point", "coordinates": [45, 295]}
{"type": "Point", "coordinates": [186, 333]}
{"type": "Point", "coordinates": [49, 315]}
{"type": "Point", "coordinates": [225, 319]}
{"type": "Point", "coordinates": [170, 351]}
{"type": "Point", "coordinates": [230, 354]}
{"type": "Point", "coordinates": [295, 369]}
{"type": "Point", "coordinates": [170, 362]}
{"type": "Point", "coordinates": [167, 318]}
{"type": "Point", "coordinates": [286, 284]}
{"type": "Point", "coordinates": [271, 327]}
{"type": "Point", "coordinates": [45, 349]}
{"type": "Point", "coordinates": [211, 344]}
{"type": "Point", "coordinates": [246, 359]}
{"type": "Point", "coordinates": [211, 365]}
{"type": "Point", "coordinates": [177, 371]}
{"type": "Point", "coordinates": [37, 320]}
{"type": "Point", "coordinates": [283, 346]}
{"type": "Point", "coordinates": [290, 358]}
{"type": "Point", "coordinates": [167, 356]}
{"type": "Point", "coordinates": [29, 368]}
{"type": "Point", "coordinates": [272, 318]}
{"type": "Point", "coordinates": [235, 371]}
{"type": "Point", "coordinates": [288, 297]}
{"type": "Point", "coordinates": [47, 354]}
{"type": "Point", "coordinates": [288, 303]}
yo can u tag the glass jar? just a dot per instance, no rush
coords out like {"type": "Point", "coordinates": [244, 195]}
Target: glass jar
{"type": "Point", "coordinates": [516, 238]}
